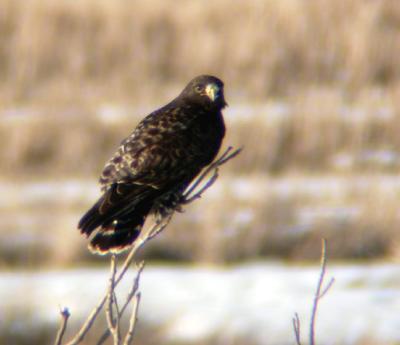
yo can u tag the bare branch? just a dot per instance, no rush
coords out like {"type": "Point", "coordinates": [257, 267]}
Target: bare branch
{"type": "Point", "coordinates": [118, 317]}
{"type": "Point", "coordinates": [133, 319]}
{"type": "Point", "coordinates": [328, 286]}
{"type": "Point", "coordinates": [113, 323]}
{"type": "Point", "coordinates": [296, 328]}
{"type": "Point", "coordinates": [116, 306]}
{"type": "Point", "coordinates": [90, 320]}
{"type": "Point", "coordinates": [154, 231]}
{"type": "Point", "coordinates": [318, 295]}
{"type": "Point", "coordinates": [145, 236]}
{"type": "Point", "coordinates": [65, 314]}
{"type": "Point", "coordinates": [225, 157]}
{"type": "Point", "coordinates": [135, 287]}
{"type": "Point", "coordinates": [131, 294]}
{"type": "Point", "coordinates": [88, 323]}
{"type": "Point", "coordinates": [110, 291]}
{"type": "Point", "coordinates": [187, 198]}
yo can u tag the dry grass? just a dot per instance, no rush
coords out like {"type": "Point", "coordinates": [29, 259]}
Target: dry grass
{"type": "Point", "coordinates": [333, 65]}
{"type": "Point", "coordinates": [330, 59]}
{"type": "Point", "coordinates": [238, 219]}
{"type": "Point", "coordinates": [318, 132]}
{"type": "Point", "coordinates": [64, 51]}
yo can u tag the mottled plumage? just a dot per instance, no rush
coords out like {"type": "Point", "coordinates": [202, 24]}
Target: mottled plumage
{"type": "Point", "coordinates": [155, 164]}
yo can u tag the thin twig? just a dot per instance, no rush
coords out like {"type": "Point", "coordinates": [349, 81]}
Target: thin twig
{"type": "Point", "coordinates": [143, 238]}
{"type": "Point", "coordinates": [117, 312]}
{"type": "Point", "coordinates": [113, 323]}
{"type": "Point", "coordinates": [328, 286]}
{"type": "Point", "coordinates": [132, 292]}
{"type": "Point", "coordinates": [90, 320]}
{"type": "Point", "coordinates": [134, 288]}
{"type": "Point", "coordinates": [318, 295]}
{"type": "Point", "coordinates": [154, 231]}
{"type": "Point", "coordinates": [132, 320]}
{"type": "Point", "coordinates": [65, 314]}
{"type": "Point", "coordinates": [213, 166]}
{"type": "Point", "coordinates": [296, 327]}
{"type": "Point", "coordinates": [110, 290]}
{"type": "Point", "coordinates": [88, 323]}
{"type": "Point", "coordinates": [208, 184]}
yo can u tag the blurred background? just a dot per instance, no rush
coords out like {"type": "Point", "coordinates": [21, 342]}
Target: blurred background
{"type": "Point", "coordinates": [313, 88]}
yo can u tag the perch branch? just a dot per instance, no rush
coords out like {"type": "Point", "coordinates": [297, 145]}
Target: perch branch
{"type": "Point", "coordinates": [187, 197]}
{"type": "Point", "coordinates": [135, 247]}
{"type": "Point", "coordinates": [88, 323]}
{"type": "Point", "coordinates": [131, 294]}
{"type": "Point", "coordinates": [192, 193]}
{"type": "Point", "coordinates": [132, 320]}
{"type": "Point", "coordinates": [113, 323]}
{"type": "Point", "coordinates": [134, 288]}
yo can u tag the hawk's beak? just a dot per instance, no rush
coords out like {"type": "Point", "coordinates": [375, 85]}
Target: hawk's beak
{"type": "Point", "coordinates": [212, 91]}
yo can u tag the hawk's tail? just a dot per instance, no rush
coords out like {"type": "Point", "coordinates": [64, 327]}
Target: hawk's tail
{"type": "Point", "coordinates": [115, 239]}
{"type": "Point", "coordinates": [119, 216]}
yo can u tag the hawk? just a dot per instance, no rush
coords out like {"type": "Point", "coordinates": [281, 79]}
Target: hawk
{"type": "Point", "coordinates": [154, 165]}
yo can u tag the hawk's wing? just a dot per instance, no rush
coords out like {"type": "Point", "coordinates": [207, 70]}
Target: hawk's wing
{"type": "Point", "coordinates": [160, 152]}
{"type": "Point", "coordinates": [159, 156]}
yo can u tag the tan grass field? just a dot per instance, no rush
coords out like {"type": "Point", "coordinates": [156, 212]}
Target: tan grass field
{"type": "Point", "coordinates": [319, 132]}
{"type": "Point", "coordinates": [314, 95]}
{"type": "Point", "coordinates": [64, 51]}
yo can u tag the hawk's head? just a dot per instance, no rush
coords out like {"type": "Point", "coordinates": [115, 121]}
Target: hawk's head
{"type": "Point", "coordinates": [206, 90]}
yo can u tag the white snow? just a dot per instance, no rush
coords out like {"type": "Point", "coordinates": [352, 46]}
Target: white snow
{"type": "Point", "coordinates": [253, 300]}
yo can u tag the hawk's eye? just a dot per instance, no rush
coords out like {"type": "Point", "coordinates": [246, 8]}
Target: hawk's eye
{"type": "Point", "coordinates": [197, 88]}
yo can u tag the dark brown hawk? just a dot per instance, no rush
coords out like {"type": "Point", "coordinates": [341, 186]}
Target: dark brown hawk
{"type": "Point", "coordinates": [154, 165]}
